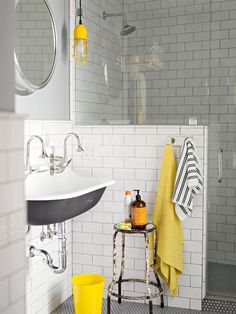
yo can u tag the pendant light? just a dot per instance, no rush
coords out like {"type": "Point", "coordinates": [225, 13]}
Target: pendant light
{"type": "Point", "coordinates": [80, 41]}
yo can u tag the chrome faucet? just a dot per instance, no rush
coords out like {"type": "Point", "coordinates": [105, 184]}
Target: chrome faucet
{"type": "Point", "coordinates": [79, 147]}
{"type": "Point", "coordinates": [28, 168]}
{"type": "Point", "coordinates": [59, 163]}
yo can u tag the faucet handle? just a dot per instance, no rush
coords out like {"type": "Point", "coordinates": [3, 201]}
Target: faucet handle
{"type": "Point", "coordinates": [80, 149]}
{"type": "Point", "coordinates": [68, 162]}
{"type": "Point", "coordinates": [44, 155]}
{"type": "Point", "coordinates": [54, 158]}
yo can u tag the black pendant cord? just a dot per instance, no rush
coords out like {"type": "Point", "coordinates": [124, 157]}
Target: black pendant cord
{"type": "Point", "coordinates": [80, 12]}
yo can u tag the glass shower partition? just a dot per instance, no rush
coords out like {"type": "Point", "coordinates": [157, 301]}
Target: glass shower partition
{"type": "Point", "coordinates": [222, 210]}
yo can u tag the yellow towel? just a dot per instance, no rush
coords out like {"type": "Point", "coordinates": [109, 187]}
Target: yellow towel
{"type": "Point", "coordinates": [169, 228]}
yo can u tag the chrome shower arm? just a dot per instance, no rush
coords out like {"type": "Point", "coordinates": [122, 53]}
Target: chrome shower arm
{"type": "Point", "coordinates": [106, 15]}
{"type": "Point", "coordinates": [124, 20]}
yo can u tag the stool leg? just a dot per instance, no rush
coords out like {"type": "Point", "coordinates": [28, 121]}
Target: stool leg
{"type": "Point", "coordinates": [108, 304]}
{"type": "Point", "coordinates": [147, 265]}
{"type": "Point", "coordinates": [150, 307]}
{"type": "Point", "coordinates": [162, 301]}
{"type": "Point", "coordinates": [122, 267]}
{"type": "Point", "coordinates": [114, 257]}
{"type": "Point", "coordinates": [154, 269]}
{"type": "Point", "coordinates": [119, 291]}
{"type": "Point", "coordinates": [160, 288]}
{"type": "Point", "coordinates": [114, 275]}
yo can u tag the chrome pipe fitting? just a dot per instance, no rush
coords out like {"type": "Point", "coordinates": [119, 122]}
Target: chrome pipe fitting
{"type": "Point", "coordinates": [62, 263]}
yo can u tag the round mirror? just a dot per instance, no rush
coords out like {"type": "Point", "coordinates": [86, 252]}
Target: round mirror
{"type": "Point", "coordinates": [35, 52]}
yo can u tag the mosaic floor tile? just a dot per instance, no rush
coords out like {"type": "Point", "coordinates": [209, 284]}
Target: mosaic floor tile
{"type": "Point", "coordinates": [127, 308]}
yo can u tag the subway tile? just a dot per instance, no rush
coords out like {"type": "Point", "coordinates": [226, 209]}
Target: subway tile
{"type": "Point", "coordinates": [9, 263]}
{"type": "Point", "coordinates": [193, 246]}
{"type": "Point", "coordinates": [196, 281]}
{"type": "Point", "coordinates": [135, 163]}
{"type": "Point", "coordinates": [16, 283]}
{"type": "Point", "coordinates": [196, 304]}
{"type": "Point", "coordinates": [135, 140]}
{"type": "Point", "coordinates": [193, 293]}
{"type": "Point", "coordinates": [4, 291]}
{"type": "Point", "coordinates": [178, 302]}
{"type": "Point", "coordinates": [3, 167]}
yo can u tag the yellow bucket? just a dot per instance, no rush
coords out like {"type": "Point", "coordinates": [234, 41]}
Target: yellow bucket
{"type": "Point", "coordinates": [88, 293]}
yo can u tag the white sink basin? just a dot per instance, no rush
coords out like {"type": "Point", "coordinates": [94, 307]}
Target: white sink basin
{"type": "Point", "coordinates": [56, 198]}
{"type": "Point", "coordinates": [44, 187]}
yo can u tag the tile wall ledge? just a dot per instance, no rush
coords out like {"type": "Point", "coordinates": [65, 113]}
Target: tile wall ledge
{"type": "Point", "coordinates": [135, 125]}
{"type": "Point", "coordinates": [48, 121]}
{"type": "Point", "coordinates": [12, 115]}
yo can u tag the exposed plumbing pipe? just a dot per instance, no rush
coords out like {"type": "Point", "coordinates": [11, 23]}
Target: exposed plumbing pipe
{"type": "Point", "coordinates": [61, 252]}
{"type": "Point", "coordinates": [106, 15]}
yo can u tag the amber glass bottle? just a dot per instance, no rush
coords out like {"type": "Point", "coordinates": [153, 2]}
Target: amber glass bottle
{"type": "Point", "coordinates": [138, 213]}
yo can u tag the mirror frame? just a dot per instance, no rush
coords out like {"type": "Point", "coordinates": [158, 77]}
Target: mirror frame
{"type": "Point", "coordinates": [23, 86]}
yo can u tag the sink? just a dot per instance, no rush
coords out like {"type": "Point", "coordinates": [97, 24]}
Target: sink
{"type": "Point", "coordinates": [57, 198]}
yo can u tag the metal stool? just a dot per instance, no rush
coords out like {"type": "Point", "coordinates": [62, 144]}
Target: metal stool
{"type": "Point", "coordinates": [149, 296]}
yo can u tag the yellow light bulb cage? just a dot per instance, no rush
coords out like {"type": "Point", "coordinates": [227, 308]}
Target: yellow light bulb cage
{"type": "Point", "coordinates": [80, 32]}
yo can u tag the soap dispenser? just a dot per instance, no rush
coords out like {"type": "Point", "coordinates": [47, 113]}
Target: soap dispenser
{"type": "Point", "coordinates": [138, 212]}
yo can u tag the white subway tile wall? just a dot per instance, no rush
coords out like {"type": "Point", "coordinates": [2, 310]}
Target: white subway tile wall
{"type": "Point", "coordinates": [132, 156]}
{"type": "Point", "coordinates": [114, 152]}
{"type": "Point", "coordinates": [12, 215]}
{"type": "Point", "coordinates": [99, 96]}
{"type": "Point", "coordinates": [45, 290]}
{"type": "Point", "coordinates": [180, 62]}
{"type": "Point", "coordinates": [186, 52]}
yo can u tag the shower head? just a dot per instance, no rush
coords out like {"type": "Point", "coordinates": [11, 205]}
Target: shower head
{"type": "Point", "coordinates": [127, 29]}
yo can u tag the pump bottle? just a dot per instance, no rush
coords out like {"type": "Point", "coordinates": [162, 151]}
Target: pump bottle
{"type": "Point", "coordinates": [127, 206]}
{"type": "Point", "coordinates": [138, 212]}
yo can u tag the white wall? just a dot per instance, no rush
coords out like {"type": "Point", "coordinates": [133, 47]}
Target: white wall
{"type": "Point", "coordinates": [132, 155]}
{"type": "Point", "coordinates": [46, 290]}
{"type": "Point", "coordinates": [12, 205]}
{"type": "Point", "coordinates": [12, 215]}
{"type": "Point", "coordinates": [7, 26]}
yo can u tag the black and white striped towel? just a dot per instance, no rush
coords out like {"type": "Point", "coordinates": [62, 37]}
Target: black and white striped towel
{"type": "Point", "coordinates": [189, 180]}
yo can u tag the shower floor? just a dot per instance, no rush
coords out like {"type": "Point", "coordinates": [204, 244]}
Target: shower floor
{"type": "Point", "coordinates": [222, 280]}
{"type": "Point", "coordinates": [127, 308]}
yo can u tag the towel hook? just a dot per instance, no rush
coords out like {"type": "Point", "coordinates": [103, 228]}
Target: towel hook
{"type": "Point", "coordinates": [172, 140]}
